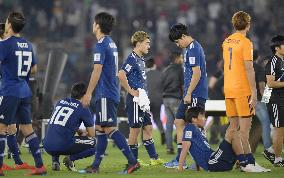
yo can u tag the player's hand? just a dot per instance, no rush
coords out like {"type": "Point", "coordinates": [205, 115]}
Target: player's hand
{"type": "Point", "coordinates": [180, 169]}
{"type": "Point", "coordinates": [86, 100]}
{"type": "Point", "coordinates": [134, 92]}
{"type": "Point", "coordinates": [187, 99]}
{"type": "Point", "coordinates": [253, 100]}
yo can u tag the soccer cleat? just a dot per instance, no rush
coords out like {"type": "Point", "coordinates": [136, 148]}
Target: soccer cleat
{"type": "Point", "coordinates": [142, 163]}
{"type": "Point", "coordinates": [23, 166]}
{"type": "Point", "coordinates": [262, 168]}
{"type": "Point", "coordinates": [251, 168]}
{"type": "Point", "coordinates": [37, 171]}
{"type": "Point", "coordinates": [174, 164]}
{"type": "Point", "coordinates": [130, 168]}
{"type": "Point", "coordinates": [89, 170]}
{"type": "Point", "coordinates": [269, 156]}
{"type": "Point", "coordinates": [5, 167]}
{"type": "Point", "coordinates": [69, 164]}
{"type": "Point", "coordinates": [55, 166]}
{"type": "Point", "coordinates": [279, 164]}
{"type": "Point", "coordinates": [156, 162]}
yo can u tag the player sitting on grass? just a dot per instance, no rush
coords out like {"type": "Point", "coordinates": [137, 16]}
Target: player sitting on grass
{"type": "Point", "coordinates": [229, 151]}
{"type": "Point", "coordinates": [66, 119]}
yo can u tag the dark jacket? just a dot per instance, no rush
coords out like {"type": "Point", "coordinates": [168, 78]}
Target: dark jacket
{"type": "Point", "coordinates": [154, 86]}
{"type": "Point", "coordinates": [172, 81]}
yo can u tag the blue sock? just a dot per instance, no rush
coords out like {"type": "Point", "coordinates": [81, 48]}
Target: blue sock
{"type": "Point", "coordinates": [121, 143]}
{"type": "Point", "coordinates": [13, 147]}
{"type": "Point", "coordinates": [33, 143]}
{"type": "Point", "coordinates": [84, 154]}
{"type": "Point", "coordinates": [179, 147]}
{"type": "Point", "coordinates": [100, 149]}
{"type": "Point", "coordinates": [2, 148]}
{"type": "Point", "coordinates": [250, 158]}
{"type": "Point", "coordinates": [134, 150]}
{"type": "Point", "coordinates": [150, 147]}
{"type": "Point", "coordinates": [242, 159]}
{"type": "Point", "coordinates": [55, 159]}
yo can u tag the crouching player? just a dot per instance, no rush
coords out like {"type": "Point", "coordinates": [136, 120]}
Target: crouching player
{"type": "Point", "coordinates": [66, 119]}
{"type": "Point", "coordinates": [229, 151]}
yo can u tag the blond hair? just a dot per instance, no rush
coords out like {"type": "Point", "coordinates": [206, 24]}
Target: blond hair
{"type": "Point", "coordinates": [241, 20]}
{"type": "Point", "coordinates": [139, 36]}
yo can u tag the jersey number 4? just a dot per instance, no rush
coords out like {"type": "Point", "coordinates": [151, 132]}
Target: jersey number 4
{"type": "Point", "coordinates": [61, 115]}
{"type": "Point", "coordinates": [24, 59]}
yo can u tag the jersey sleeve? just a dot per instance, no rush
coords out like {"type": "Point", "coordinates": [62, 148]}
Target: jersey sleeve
{"type": "Point", "coordinates": [248, 50]}
{"type": "Point", "coordinates": [99, 54]}
{"type": "Point", "coordinates": [128, 65]}
{"type": "Point", "coordinates": [193, 57]}
{"type": "Point", "coordinates": [270, 68]}
{"type": "Point", "coordinates": [187, 134]}
{"type": "Point", "coordinates": [2, 51]}
{"type": "Point", "coordinates": [87, 118]}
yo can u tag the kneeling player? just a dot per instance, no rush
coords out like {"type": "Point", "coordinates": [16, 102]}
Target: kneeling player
{"type": "Point", "coordinates": [229, 151]}
{"type": "Point", "coordinates": [60, 139]}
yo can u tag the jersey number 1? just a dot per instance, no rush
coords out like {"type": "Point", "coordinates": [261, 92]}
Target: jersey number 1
{"type": "Point", "coordinates": [24, 59]}
{"type": "Point", "coordinates": [61, 115]}
{"type": "Point", "coordinates": [231, 56]}
{"type": "Point", "coordinates": [115, 54]}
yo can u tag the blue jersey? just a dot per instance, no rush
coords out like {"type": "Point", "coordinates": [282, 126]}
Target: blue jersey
{"type": "Point", "coordinates": [134, 66]}
{"type": "Point", "coordinates": [17, 58]}
{"type": "Point", "coordinates": [106, 54]}
{"type": "Point", "coordinates": [194, 56]}
{"type": "Point", "coordinates": [66, 119]}
{"type": "Point", "coordinates": [199, 149]}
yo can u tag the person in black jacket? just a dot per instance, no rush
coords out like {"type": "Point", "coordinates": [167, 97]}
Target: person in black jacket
{"type": "Point", "coordinates": [172, 83]}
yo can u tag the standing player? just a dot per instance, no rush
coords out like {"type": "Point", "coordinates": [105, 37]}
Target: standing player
{"type": "Point", "coordinates": [68, 114]}
{"type": "Point", "coordinates": [104, 80]}
{"type": "Point", "coordinates": [132, 77]}
{"type": "Point", "coordinates": [275, 106]}
{"type": "Point", "coordinates": [195, 142]}
{"type": "Point", "coordinates": [195, 80]}
{"type": "Point", "coordinates": [239, 81]}
{"type": "Point", "coordinates": [17, 62]}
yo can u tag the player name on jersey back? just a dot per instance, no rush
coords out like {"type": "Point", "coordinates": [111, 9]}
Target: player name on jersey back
{"type": "Point", "coordinates": [76, 105]}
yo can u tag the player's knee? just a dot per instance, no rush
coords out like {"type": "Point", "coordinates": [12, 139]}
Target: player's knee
{"type": "Point", "coordinates": [148, 130]}
{"type": "Point", "coordinates": [244, 134]}
{"type": "Point", "coordinates": [12, 129]}
{"type": "Point", "coordinates": [3, 129]}
{"type": "Point", "coordinates": [26, 129]}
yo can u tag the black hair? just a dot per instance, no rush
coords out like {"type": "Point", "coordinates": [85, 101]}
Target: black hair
{"type": "Point", "coordinates": [175, 54]}
{"type": "Point", "coordinates": [255, 54]}
{"type": "Point", "coordinates": [192, 113]}
{"type": "Point", "coordinates": [2, 30]}
{"type": "Point", "coordinates": [106, 22]}
{"type": "Point", "coordinates": [17, 21]}
{"type": "Point", "coordinates": [78, 90]}
{"type": "Point", "coordinates": [177, 30]}
{"type": "Point", "coordinates": [150, 62]}
{"type": "Point", "coordinates": [276, 41]}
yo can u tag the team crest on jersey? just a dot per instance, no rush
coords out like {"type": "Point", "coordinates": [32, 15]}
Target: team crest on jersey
{"type": "Point", "coordinates": [128, 67]}
{"type": "Point", "coordinates": [188, 134]}
{"type": "Point", "coordinates": [191, 60]}
{"type": "Point", "coordinates": [97, 57]}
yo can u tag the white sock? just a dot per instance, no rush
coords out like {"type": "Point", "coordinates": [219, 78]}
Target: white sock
{"type": "Point", "coordinates": [270, 150]}
{"type": "Point", "coordinates": [278, 159]}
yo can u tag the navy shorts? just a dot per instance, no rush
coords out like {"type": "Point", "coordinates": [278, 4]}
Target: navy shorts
{"type": "Point", "coordinates": [136, 117]}
{"type": "Point", "coordinates": [106, 112]}
{"type": "Point", "coordinates": [15, 110]}
{"type": "Point", "coordinates": [195, 102]}
{"type": "Point", "coordinates": [223, 159]}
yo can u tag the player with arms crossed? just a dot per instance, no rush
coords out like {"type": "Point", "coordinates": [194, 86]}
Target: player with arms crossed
{"type": "Point", "coordinates": [104, 80]}
{"type": "Point", "coordinates": [195, 80]}
{"type": "Point", "coordinates": [239, 83]}
{"type": "Point", "coordinates": [17, 62]}
{"type": "Point", "coordinates": [195, 142]}
{"type": "Point", "coordinates": [60, 139]}
{"type": "Point", "coordinates": [132, 76]}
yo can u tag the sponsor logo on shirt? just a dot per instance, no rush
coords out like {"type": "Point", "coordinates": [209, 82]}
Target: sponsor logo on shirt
{"type": "Point", "coordinates": [192, 60]}
{"type": "Point", "coordinates": [97, 57]}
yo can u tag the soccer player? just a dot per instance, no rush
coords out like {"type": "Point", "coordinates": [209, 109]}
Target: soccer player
{"type": "Point", "coordinates": [132, 76]}
{"type": "Point", "coordinates": [104, 80]}
{"type": "Point", "coordinates": [17, 62]}
{"type": "Point", "coordinates": [195, 80]}
{"type": "Point", "coordinates": [195, 142]}
{"type": "Point", "coordinates": [60, 139]}
{"type": "Point", "coordinates": [239, 81]}
{"type": "Point", "coordinates": [275, 81]}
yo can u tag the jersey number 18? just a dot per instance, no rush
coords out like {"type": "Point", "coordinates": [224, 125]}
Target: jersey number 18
{"type": "Point", "coordinates": [61, 115]}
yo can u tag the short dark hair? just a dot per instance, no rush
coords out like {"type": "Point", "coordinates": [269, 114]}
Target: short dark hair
{"type": "Point", "coordinates": [150, 62]}
{"type": "Point", "coordinates": [276, 41]}
{"type": "Point", "coordinates": [17, 21]}
{"type": "Point", "coordinates": [106, 22]}
{"type": "Point", "coordinates": [78, 90]}
{"type": "Point", "coordinates": [177, 30]}
{"type": "Point", "coordinates": [175, 54]}
{"type": "Point", "coordinates": [2, 30]}
{"type": "Point", "coordinates": [193, 113]}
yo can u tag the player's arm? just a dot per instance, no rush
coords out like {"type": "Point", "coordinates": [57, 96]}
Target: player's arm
{"type": "Point", "coordinates": [196, 74]}
{"type": "Point", "coordinates": [251, 79]}
{"type": "Point", "coordinates": [34, 69]}
{"type": "Point", "coordinates": [272, 83]}
{"type": "Point", "coordinates": [185, 147]}
{"type": "Point", "coordinates": [123, 79]}
{"type": "Point", "coordinates": [90, 131]}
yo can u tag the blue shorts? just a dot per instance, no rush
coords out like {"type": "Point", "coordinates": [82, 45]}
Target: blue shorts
{"type": "Point", "coordinates": [136, 117]}
{"type": "Point", "coordinates": [223, 159]}
{"type": "Point", "coordinates": [106, 112]}
{"type": "Point", "coordinates": [195, 102]}
{"type": "Point", "coordinates": [15, 110]}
